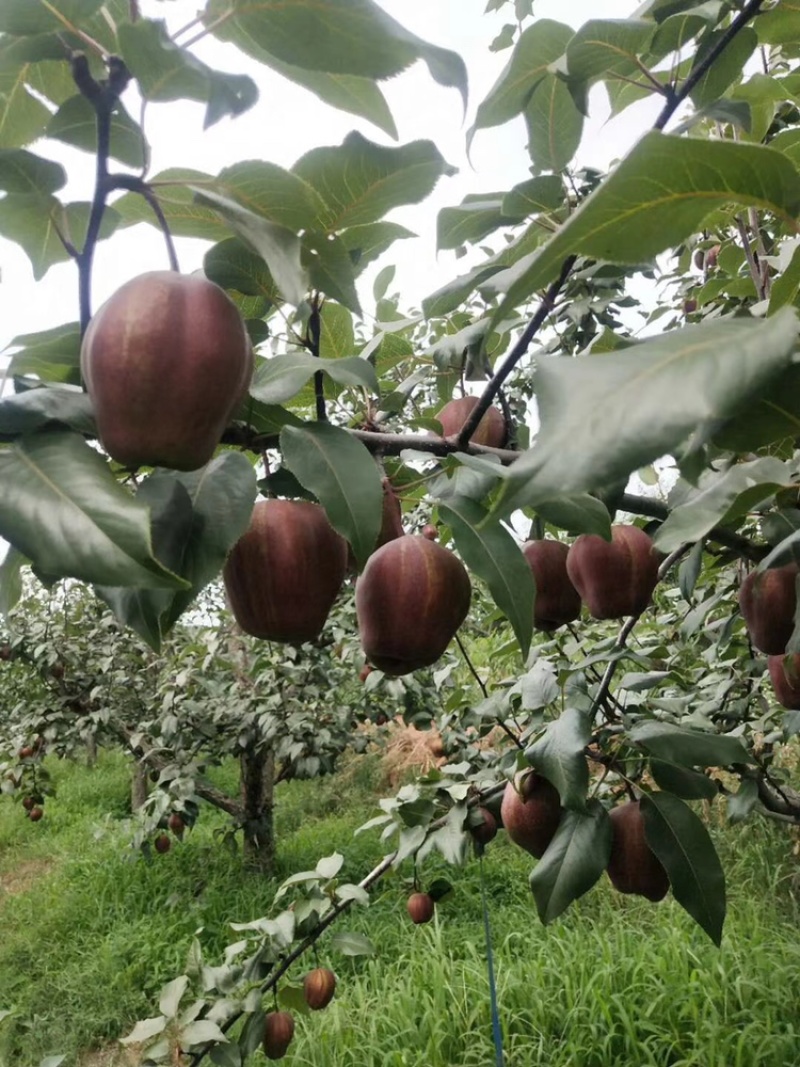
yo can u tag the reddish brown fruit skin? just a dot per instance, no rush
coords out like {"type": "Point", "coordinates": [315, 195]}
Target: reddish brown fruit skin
{"type": "Point", "coordinates": [319, 986]}
{"type": "Point", "coordinates": [615, 578]}
{"type": "Point", "coordinates": [531, 816]}
{"type": "Point", "coordinates": [784, 671]}
{"type": "Point", "coordinates": [410, 601]}
{"type": "Point", "coordinates": [278, 1034]}
{"type": "Point", "coordinates": [491, 429]}
{"type": "Point", "coordinates": [162, 844]}
{"type": "Point", "coordinates": [28, 803]}
{"type": "Point", "coordinates": [430, 532]}
{"type": "Point", "coordinates": [176, 824]}
{"type": "Point", "coordinates": [557, 600]}
{"type": "Point", "coordinates": [420, 908]}
{"type": "Point", "coordinates": [486, 831]}
{"type": "Point", "coordinates": [283, 575]}
{"type": "Point", "coordinates": [166, 361]}
{"type": "Point", "coordinates": [35, 814]}
{"type": "Point", "coordinates": [27, 752]}
{"type": "Point", "coordinates": [365, 672]}
{"type": "Point", "coordinates": [392, 521]}
{"type": "Point", "coordinates": [767, 601]}
{"type": "Point", "coordinates": [633, 866]}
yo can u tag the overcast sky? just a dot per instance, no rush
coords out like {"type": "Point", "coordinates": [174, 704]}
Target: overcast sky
{"type": "Point", "coordinates": [287, 121]}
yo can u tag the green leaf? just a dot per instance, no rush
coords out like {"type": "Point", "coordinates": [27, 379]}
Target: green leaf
{"type": "Point", "coordinates": [574, 861]}
{"type": "Point", "coordinates": [35, 221]}
{"type": "Point", "coordinates": [684, 783]}
{"type": "Point", "coordinates": [24, 18]}
{"type": "Point", "coordinates": [663, 393]}
{"type": "Point", "coordinates": [279, 247]}
{"type": "Point", "coordinates": [174, 190]}
{"type": "Point", "coordinates": [170, 996]}
{"type": "Point", "coordinates": [383, 279]}
{"type": "Point", "coordinates": [354, 38]}
{"type": "Point", "coordinates": [274, 193]}
{"type": "Point", "coordinates": [491, 552]}
{"type": "Point", "coordinates": [360, 181]}
{"type": "Point", "coordinates": [786, 286]}
{"type": "Point", "coordinates": [232, 265]}
{"type": "Point", "coordinates": [684, 847]}
{"type": "Point", "coordinates": [144, 1030]}
{"type": "Point", "coordinates": [351, 944]}
{"type": "Point", "coordinates": [366, 243]}
{"type": "Point", "coordinates": [24, 172]}
{"type": "Point", "coordinates": [337, 337]}
{"type": "Point", "coordinates": [199, 1032]}
{"type": "Point", "coordinates": [631, 218]}
{"type": "Point", "coordinates": [780, 25]}
{"type": "Point", "coordinates": [165, 71]}
{"type": "Point", "coordinates": [554, 124]}
{"type": "Point", "coordinates": [534, 196]}
{"type": "Point", "coordinates": [329, 866]}
{"type": "Point", "coordinates": [340, 472]}
{"type": "Point", "coordinates": [743, 801]}
{"type": "Point", "coordinates": [476, 216]}
{"type": "Point", "coordinates": [330, 268]}
{"type": "Point", "coordinates": [282, 377]}
{"type": "Point", "coordinates": [538, 46]}
{"type": "Point", "coordinates": [689, 748]}
{"type": "Point", "coordinates": [52, 355]}
{"type": "Point", "coordinates": [75, 123]}
{"type": "Point", "coordinates": [11, 581]}
{"type": "Point", "coordinates": [62, 508]}
{"type": "Point", "coordinates": [726, 68]}
{"type": "Point", "coordinates": [559, 756]}
{"type": "Point", "coordinates": [773, 416]}
{"type": "Point", "coordinates": [38, 408]}
{"type": "Point", "coordinates": [603, 48]}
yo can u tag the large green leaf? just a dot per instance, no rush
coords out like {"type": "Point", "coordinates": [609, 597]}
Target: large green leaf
{"type": "Point", "coordinates": [197, 517]}
{"type": "Point", "coordinates": [682, 843]}
{"type": "Point", "coordinates": [75, 123]}
{"type": "Point", "coordinates": [11, 580]}
{"type": "Point", "coordinates": [165, 71]}
{"type": "Point", "coordinates": [605, 416]}
{"type": "Point", "coordinates": [659, 194]}
{"type": "Point", "coordinates": [52, 355]}
{"type": "Point", "coordinates": [554, 124]}
{"type": "Point", "coordinates": [356, 37]}
{"type": "Point", "coordinates": [23, 117]}
{"type": "Point", "coordinates": [726, 68]}
{"type": "Point", "coordinates": [774, 416]}
{"type": "Point", "coordinates": [63, 509]}
{"type": "Point", "coordinates": [24, 172]}
{"type": "Point", "coordinates": [282, 377]}
{"type": "Point", "coordinates": [340, 472]}
{"type": "Point", "coordinates": [690, 748]}
{"type": "Point", "coordinates": [360, 181]}
{"type": "Point", "coordinates": [174, 190]}
{"type": "Point", "coordinates": [602, 48]}
{"type": "Point", "coordinates": [37, 408]}
{"type": "Point", "coordinates": [491, 552]}
{"type": "Point", "coordinates": [35, 221]}
{"type": "Point", "coordinates": [233, 265]}
{"type": "Point", "coordinates": [575, 859]}
{"type": "Point", "coordinates": [279, 247]}
{"type": "Point", "coordinates": [474, 218]}
{"type": "Point", "coordinates": [27, 17]}
{"type": "Point", "coordinates": [365, 243]}
{"type": "Point", "coordinates": [538, 47]}
{"type": "Point", "coordinates": [545, 193]}
{"type": "Point", "coordinates": [722, 498]}
{"type": "Point", "coordinates": [273, 193]}
{"type": "Point", "coordinates": [336, 336]}
{"type": "Point", "coordinates": [559, 756]}
{"type": "Point", "coordinates": [330, 268]}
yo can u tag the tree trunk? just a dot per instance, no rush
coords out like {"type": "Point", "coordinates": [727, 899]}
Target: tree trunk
{"type": "Point", "coordinates": [91, 750]}
{"type": "Point", "coordinates": [138, 785]}
{"type": "Point", "coordinates": [257, 790]}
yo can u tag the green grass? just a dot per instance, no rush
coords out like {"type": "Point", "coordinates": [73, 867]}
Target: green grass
{"type": "Point", "coordinates": [95, 933]}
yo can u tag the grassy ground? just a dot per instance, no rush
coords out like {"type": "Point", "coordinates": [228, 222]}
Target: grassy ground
{"type": "Point", "coordinates": [89, 934]}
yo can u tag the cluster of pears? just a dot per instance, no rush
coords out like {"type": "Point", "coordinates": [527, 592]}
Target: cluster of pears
{"type": "Point", "coordinates": [319, 987]}
{"type": "Point", "coordinates": [531, 812]}
{"type": "Point", "coordinates": [768, 601]}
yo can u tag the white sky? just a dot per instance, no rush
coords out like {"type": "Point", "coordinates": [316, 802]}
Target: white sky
{"type": "Point", "coordinates": [287, 121]}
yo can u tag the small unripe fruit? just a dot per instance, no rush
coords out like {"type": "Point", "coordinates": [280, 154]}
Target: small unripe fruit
{"type": "Point", "coordinates": [319, 986]}
{"type": "Point", "coordinates": [420, 907]}
{"type": "Point", "coordinates": [166, 361]}
{"type": "Point", "coordinates": [35, 814]}
{"type": "Point", "coordinates": [430, 532]}
{"type": "Point", "coordinates": [278, 1034]}
{"type": "Point", "coordinates": [531, 812]}
{"type": "Point", "coordinates": [491, 429]}
{"type": "Point", "coordinates": [162, 844]}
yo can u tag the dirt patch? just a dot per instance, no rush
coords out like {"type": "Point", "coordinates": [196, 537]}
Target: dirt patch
{"type": "Point", "coordinates": [23, 877]}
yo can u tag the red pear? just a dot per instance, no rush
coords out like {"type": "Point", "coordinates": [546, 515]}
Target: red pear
{"type": "Point", "coordinates": [767, 600]}
{"type": "Point", "coordinates": [166, 361]}
{"type": "Point", "coordinates": [319, 986]}
{"type": "Point", "coordinates": [557, 600]}
{"type": "Point", "coordinates": [784, 672]}
{"type": "Point", "coordinates": [284, 573]}
{"type": "Point", "coordinates": [420, 908]}
{"type": "Point", "coordinates": [410, 600]}
{"type": "Point", "coordinates": [278, 1034]}
{"type": "Point", "coordinates": [614, 578]}
{"type": "Point", "coordinates": [633, 866]}
{"type": "Point", "coordinates": [491, 429]}
{"type": "Point", "coordinates": [531, 812]}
